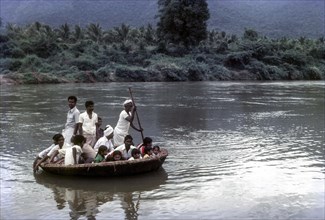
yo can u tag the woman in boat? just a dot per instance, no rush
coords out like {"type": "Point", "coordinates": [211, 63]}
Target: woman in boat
{"type": "Point", "coordinates": [124, 122]}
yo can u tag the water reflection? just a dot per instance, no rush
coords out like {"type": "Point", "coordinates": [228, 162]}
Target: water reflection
{"type": "Point", "coordinates": [83, 197]}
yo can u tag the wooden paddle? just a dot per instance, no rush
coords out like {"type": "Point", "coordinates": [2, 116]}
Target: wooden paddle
{"type": "Point", "coordinates": [136, 114]}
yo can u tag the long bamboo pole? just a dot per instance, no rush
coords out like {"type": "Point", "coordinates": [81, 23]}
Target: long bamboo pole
{"type": "Point", "coordinates": [136, 113]}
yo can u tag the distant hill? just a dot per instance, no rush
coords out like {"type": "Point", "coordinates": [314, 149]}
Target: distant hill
{"type": "Point", "coordinates": [273, 18]}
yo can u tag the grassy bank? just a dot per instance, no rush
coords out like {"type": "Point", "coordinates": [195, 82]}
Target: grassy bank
{"type": "Point", "coordinates": [38, 53]}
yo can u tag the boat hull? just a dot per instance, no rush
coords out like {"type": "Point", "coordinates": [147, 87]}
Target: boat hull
{"type": "Point", "coordinates": [117, 168]}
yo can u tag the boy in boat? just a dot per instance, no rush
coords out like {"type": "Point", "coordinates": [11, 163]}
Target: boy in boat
{"type": "Point", "coordinates": [44, 153]}
{"type": "Point", "coordinates": [106, 139]}
{"type": "Point", "coordinates": [52, 154]}
{"type": "Point", "coordinates": [124, 122]}
{"type": "Point", "coordinates": [126, 148]}
{"type": "Point", "coordinates": [147, 141]}
{"type": "Point", "coordinates": [71, 125]}
{"type": "Point", "coordinates": [88, 122]}
{"type": "Point", "coordinates": [135, 154]}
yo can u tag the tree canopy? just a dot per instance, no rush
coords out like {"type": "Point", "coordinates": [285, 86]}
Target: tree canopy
{"type": "Point", "coordinates": [182, 22]}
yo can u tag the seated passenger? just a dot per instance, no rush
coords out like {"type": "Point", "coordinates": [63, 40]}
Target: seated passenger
{"type": "Point", "coordinates": [106, 139]}
{"type": "Point", "coordinates": [147, 152]}
{"type": "Point", "coordinates": [115, 156]}
{"type": "Point", "coordinates": [44, 153]}
{"type": "Point", "coordinates": [88, 154]}
{"type": "Point", "coordinates": [135, 154]}
{"type": "Point", "coordinates": [100, 156]}
{"type": "Point", "coordinates": [147, 141]}
{"type": "Point", "coordinates": [59, 139]}
{"type": "Point", "coordinates": [156, 151]}
{"type": "Point", "coordinates": [126, 148]}
{"type": "Point", "coordinates": [73, 153]}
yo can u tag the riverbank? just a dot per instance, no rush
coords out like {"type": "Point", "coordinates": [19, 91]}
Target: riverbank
{"type": "Point", "coordinates": [38, 53]}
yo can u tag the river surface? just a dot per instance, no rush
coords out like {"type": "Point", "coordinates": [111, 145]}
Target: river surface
{"type": "Point", "coordinates": [236, 151]}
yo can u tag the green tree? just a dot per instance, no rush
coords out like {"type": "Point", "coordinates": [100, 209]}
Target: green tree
{"type": "Point", "coordinates": [95, 32]}
{"type": "Point", "coordinates": [182, 22]}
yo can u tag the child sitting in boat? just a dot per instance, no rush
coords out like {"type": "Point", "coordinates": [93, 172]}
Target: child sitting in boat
{"type": "Point", "coordinates": [72, 154]}
{"type": "Point", "coordinates": [135, 154]}
{"type": "Point", "coordinates": [126, 148]}
{"type": "Point", "coordinates": [102, 152]}
{"type": "Point", "coordinates": [147, 141]}
{"type": "Point", "coordinates": [147, 152]}
{"type": "Point", "coordinates": [115, 156]}
{"type": "Point", "coordinates": [156, 151]}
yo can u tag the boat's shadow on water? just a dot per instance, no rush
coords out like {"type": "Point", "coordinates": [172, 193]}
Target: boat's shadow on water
{"type": "Point", "coordinates": [84, 195]}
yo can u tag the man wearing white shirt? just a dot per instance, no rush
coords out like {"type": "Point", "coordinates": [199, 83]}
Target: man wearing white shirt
{"type": "Point", "coordinates": [126, 148]}
{"type": "Point", "coordinates": [124, 122]}
{"type": "Point", "coordinates": [87, 123]}
{"type": "Point", "coordinates": [106, 139]}
{"type": "Point", "coordinates": [71, 125]}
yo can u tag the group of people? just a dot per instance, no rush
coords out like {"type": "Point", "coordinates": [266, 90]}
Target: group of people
{"type": "Point", "coordinates": [84, 141]}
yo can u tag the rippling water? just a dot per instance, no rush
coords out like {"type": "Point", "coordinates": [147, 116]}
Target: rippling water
{"type": "Point", "coordinates": [236, 150]}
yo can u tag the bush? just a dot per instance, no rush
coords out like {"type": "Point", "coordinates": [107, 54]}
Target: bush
{"type": "Point", "coordinates": [238, 60]}
{"type": "Point", "coordinates": [10, 64]}
{"type": "Point", "coordinates": [219, 72]}
{"type": "Point", "coordinates": [104, 73]}
{"type": "Point", "coordinates": [276, 73]}
{"type": "Point", "coordinates": [30, 63]}
{"type": "Point", "coordinates": [83, 64]}
{"type": "Point", "coordinates": [17, 53]}
{"type": "Point", "coordinates": [197, 72]}
{"type": "Point", "coordinates": [313, 73]}
{"type": "Point", "coordinates": [259, 69]}
{"type": "Point", "coordinates": [318, 52]}
{"type": "Point", "coordinates": [294, 58]}
{"type": "Point", "coordinates": [250, 34]}
{"type": "Point", "coordinates": [273, 60]}
{"type": "Point", "coordinates": [132, 74]}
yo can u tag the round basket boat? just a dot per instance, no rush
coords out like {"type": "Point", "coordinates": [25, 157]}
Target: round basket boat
{"type": "Point", "coordinates": [117, 168]}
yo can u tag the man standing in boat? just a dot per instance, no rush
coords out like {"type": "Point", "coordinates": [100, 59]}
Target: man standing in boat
{"type": "Point", "coordinates": [88, 122]}
{"type": "Point", "coordinates": [71, 126]}
{"type": "Point", "coordinates": [124, 122]}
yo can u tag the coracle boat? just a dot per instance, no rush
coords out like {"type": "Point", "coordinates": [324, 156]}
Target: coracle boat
{"type": "Point", "coordinates": [117, 168]}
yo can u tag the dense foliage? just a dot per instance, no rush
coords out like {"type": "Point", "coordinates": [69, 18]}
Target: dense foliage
{"type": "Point", "coordinates": [39, 53]}
{"type": "Point", "coordinates": [274, 19]}
{"type": "Point", "coordinates": [183, 21]}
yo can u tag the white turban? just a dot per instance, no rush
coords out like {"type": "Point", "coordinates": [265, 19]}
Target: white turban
{"type": "Point", "coordinates": [108, 130]}
{"type": "Point", "coordinates": [127, 101]}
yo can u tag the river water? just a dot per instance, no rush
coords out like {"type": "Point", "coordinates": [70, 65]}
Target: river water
{"type": "Point", "coordinates": [236, 151]}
